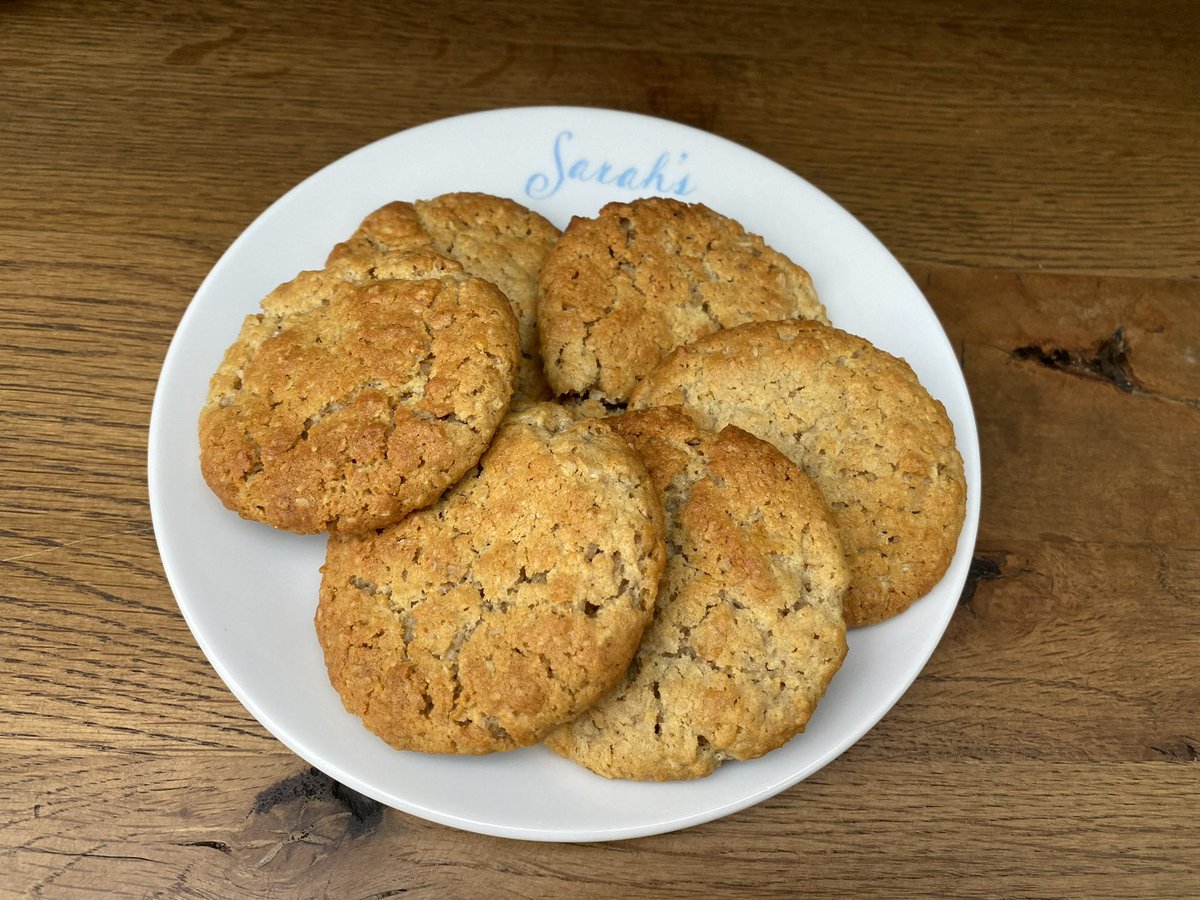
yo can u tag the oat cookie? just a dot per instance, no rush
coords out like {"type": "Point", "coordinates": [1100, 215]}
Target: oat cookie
{"type": "Point", "coordinates": [345, 404]}
{"type": "Point", "coordinates": [492, 237]}
{"type": "Point", "coordinates": [859, 422]}
{"type": "Point", "coordinates": [508, 607]}
{"type": "Point", "coordinates": [621, 290]}
{"type": "Point", "coordinates": [748, 628]}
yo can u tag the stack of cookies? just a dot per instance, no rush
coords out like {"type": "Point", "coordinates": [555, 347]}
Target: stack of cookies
{"type": "Point", "coordinates": [620, 490]}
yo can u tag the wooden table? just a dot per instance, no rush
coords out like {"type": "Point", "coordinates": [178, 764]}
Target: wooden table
{"type": "Point", "coordinates": [1038, 173]}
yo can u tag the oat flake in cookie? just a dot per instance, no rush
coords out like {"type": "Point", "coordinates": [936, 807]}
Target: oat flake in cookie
{"type": "Point", "coordinates": [507, 608]}
{"type": "Point", "coordinates": [620, 291]}
{"type": "Point", "coordinates": [748, 628]}
{"type": "Point", "coordinates": [854, 417]}
{"type": "Point", "coordinates": [493, 237]}
{"type": "Point", "coordinates": [345, 404]}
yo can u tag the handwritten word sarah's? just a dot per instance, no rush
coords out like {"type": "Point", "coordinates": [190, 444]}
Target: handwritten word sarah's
{"type": "Point", "coordinates": [660, 176]}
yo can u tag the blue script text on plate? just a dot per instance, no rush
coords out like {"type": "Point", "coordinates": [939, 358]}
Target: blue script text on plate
{"type": "Point", "coordinates": [660, 176]}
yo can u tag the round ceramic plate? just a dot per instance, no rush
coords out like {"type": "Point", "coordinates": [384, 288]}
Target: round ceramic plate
{"type": "Point", "coordinates": [249, 592]}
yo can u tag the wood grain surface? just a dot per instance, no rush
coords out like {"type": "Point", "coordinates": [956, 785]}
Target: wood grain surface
{"type": "Point", "coordinates": [1035, 166]}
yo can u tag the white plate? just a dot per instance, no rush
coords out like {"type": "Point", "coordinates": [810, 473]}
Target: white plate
{"type": "Point", "coordinates": [249, 593]}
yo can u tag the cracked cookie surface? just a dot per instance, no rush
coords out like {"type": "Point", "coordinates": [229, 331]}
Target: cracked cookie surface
{"type": "Point", "coordinates": [619, 291]}
{"type": "Point", "coordinates": [357, 395]}
{"type": "Point", "coordinates": [482, 622]}
{"type": "Point", "coordinates": [856, 418]}
{"type": "Point", "coordinates": [492, 237]}
{"type": "Point", "coordinates": [748, 628]}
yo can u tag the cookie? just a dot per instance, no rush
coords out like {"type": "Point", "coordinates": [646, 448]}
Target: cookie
{"type": "Point", "coordinates": [748, 628]}
{"type": "Point", "coordinates": [345, 404]}
{"type": "Point", "coordinates": [854, 417]}
{"type": "Point", "coordinates": [619, 291]}
{"type": "Point", "coordinates": [492, 237]}
{"type": "Point", "coordinates": [481, 623]}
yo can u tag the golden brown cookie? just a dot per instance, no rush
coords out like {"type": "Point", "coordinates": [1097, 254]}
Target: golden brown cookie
{"type": "Point", "coordinates": [620, 291]}
{"type": "Point", "coordinates": [748, 628]}
{"type": "Point", "coordinates": [493, 237]}
{"type": "Point", "coordinates": [859, 422]}
{"type": "Point", "coordinates": [508, 607]}
{"type": "Point", "coordinates": [343, 405]}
